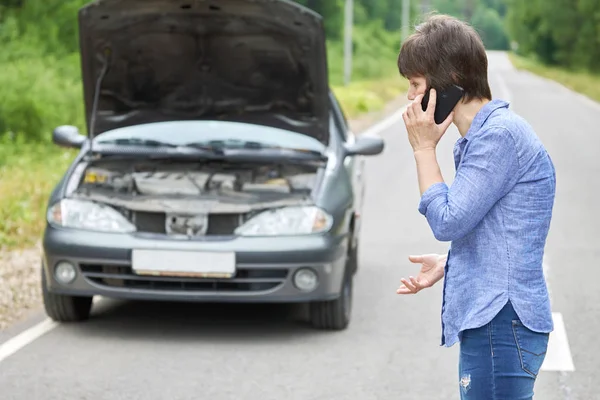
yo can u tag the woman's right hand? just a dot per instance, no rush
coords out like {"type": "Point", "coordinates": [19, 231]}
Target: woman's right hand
{"type": "Point", "coordinates": [432, 270]}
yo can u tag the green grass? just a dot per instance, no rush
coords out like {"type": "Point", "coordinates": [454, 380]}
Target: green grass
{"type": "Point", "coordinates": [28, 172]}
{"type": "Point", "coordinates": [366, 96]}
{"type": "Point", "coordinates": [582, 82]}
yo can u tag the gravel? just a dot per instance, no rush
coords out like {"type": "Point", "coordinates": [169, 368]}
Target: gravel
{"type": "Point", "coordinates": [20, 289]}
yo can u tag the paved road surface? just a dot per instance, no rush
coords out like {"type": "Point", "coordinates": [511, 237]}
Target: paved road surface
{"type": "Point", "coordinates": [170, 351]}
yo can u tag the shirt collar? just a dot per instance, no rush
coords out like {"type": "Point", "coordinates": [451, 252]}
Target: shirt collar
{"type": "Point", "coordinates": [483, 115]}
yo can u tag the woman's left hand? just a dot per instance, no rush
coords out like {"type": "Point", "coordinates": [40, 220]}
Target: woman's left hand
{"type": "Point", "coordinates": [423, 132]}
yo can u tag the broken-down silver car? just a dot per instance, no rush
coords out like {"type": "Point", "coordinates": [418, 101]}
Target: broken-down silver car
{"type": "Point", "coordinates": [218, 165]}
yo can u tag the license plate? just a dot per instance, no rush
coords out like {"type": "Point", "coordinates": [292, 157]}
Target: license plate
{"type": "Point", "coordinates": [195, 264]}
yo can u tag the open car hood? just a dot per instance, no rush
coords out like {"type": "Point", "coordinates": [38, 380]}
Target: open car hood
{"type": "Point", "coordinates": [255, 61]}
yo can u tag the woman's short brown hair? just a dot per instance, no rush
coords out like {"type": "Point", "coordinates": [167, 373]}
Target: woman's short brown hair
{"type": "Point", "coordinates": [445, 51]}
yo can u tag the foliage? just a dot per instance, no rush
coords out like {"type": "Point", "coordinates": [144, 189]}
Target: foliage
{"type": "Point", "coordinates": [557, 32]}
{"type": "Point", "coordinates": [489, 24]}
{"type": "Point", "coordinates": [486, 16]}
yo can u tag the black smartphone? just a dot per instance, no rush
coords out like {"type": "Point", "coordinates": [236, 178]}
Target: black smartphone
{"type": "Point", "coordinates": [446, 100]}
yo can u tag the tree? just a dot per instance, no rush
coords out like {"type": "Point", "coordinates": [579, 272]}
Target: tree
{"type": "Point", "coordinates": [332, 12]}
{"type": "Point", "coordinates": [490, 26]}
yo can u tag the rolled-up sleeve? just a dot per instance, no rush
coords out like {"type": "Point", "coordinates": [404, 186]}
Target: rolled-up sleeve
{"type": "Point", "coordinates": [488, 171]}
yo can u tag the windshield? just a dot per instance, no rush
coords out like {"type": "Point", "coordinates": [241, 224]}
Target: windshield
{"type": "Point", "coordinates": [212, 135]}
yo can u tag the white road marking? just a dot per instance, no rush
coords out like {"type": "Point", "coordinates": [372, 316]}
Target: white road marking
{"type": "Point", "coordinates": [11, 346]}
{"type": "Point", "coordinates": [18, 342]}
{"type": "Point", "coordinates": [558, 357]}
{"type": "Point", "coordinates": [384, 124]}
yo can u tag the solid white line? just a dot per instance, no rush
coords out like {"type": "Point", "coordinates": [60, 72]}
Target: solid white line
{"type": "Point", "coordinates": [15, 344]}
{"type": "Point", "coordinates": [26, 337]}
{"type": "Point", "coordinates": [558, 357]}
{"type": "Point", "coordinates": [384, 124]}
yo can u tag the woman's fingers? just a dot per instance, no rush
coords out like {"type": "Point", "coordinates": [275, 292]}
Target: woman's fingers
{"type": "Point", "coordinates": [403, 290]}
{"type": "Point", "coordinates": [415, 283]}
{"type": "Point", "coordinates": [409, 283]}
{"type": "Point", "coordinates": [409, 286]}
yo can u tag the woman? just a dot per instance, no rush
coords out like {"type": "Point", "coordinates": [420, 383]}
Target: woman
{"type": "Point", "coordinates": [496, 215]}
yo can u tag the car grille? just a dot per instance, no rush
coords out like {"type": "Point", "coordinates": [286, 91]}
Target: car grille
{"type": "Point", "coordinates": [245, 280]}
{"type": "Point", "coordinates": [218, 224]}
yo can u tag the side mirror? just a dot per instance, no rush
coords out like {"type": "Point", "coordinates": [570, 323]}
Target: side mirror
{"type": "Point", "coordinates": [366, 146]}
{"type": "Point", "coordinates": [68, 136]}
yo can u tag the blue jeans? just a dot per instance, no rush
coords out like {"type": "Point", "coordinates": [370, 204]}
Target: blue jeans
{"type": "Point", "coordinates": [500, 360]}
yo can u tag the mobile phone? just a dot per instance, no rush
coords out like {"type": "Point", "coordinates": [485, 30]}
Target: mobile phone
{"type": "Point", "coordinates": [446, 100]}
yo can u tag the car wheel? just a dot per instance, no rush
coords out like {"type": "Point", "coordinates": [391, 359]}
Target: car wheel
{"type": "Point", "coordinates": [334, 314]}
{"type": "Point", "coordinates": [65, 308]}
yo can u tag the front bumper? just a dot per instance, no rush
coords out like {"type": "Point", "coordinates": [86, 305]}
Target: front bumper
{"type": "Point", "coordinates": [265, 267]}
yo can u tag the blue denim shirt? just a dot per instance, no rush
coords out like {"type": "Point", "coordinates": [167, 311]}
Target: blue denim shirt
{"type": "Point", "coordinates": [496, 214]}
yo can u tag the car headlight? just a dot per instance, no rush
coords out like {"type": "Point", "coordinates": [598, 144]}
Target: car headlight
{"type": "Point", "coordinates": [287, 221]}
{"type": "Point", "coordinates": [81, 214]}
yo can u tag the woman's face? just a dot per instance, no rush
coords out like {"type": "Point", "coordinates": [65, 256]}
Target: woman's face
{"type": "Point", "coordinates": [417, 86]}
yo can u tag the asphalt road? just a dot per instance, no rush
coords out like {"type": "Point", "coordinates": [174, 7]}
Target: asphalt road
{"type": "Point", "coordinates": [391, 350]}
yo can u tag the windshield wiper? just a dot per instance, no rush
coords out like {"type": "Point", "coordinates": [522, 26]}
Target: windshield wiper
{"type": "Point", "coordinates": [137, 142]}
{"type": "Point", "coordinates": [127, 147]}
{"type": "Point", "coordinates": [224, 147]}
{"type": "Point", "coordinates": [252, 148]}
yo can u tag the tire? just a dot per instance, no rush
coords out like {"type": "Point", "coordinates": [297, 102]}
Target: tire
{"type": "Point", "coordinates": [334, 314]}
{"type": "Point", "coordinates": [63, 308]}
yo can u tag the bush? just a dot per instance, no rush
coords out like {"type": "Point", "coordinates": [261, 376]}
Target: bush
{"type": "Point", "coordinates": [490, 26]}
{"type": "Point", "coordinates": [39, 94]}
{"type": "Point", "coordinates": [375, 52]}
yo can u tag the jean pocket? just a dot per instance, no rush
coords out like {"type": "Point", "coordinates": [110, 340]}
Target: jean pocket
{"type": "Point", "coordinates": [532, 347]}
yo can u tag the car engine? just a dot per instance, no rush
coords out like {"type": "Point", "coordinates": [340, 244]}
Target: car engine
{"type": "Point", "coordinates": [193, 199]}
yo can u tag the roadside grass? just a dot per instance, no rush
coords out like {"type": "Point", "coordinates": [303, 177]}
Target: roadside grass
{"type": "Point", "coordinates": [582, 82]}
{"type": "Point", "coordinates": [28, 173]}
{"type": "Point", "coordinates": [367, 96]}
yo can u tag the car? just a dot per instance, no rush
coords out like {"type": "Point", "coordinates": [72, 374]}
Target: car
{"type": "Point", "coordinates": [218, 165]}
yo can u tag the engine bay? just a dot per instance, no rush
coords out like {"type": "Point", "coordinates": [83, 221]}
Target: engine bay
{"type": "Point", "coordinates": [193, 199]}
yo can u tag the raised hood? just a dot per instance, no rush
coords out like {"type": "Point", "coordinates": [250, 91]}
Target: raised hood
{"type": "Point", "coordinates": [257, 61]}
